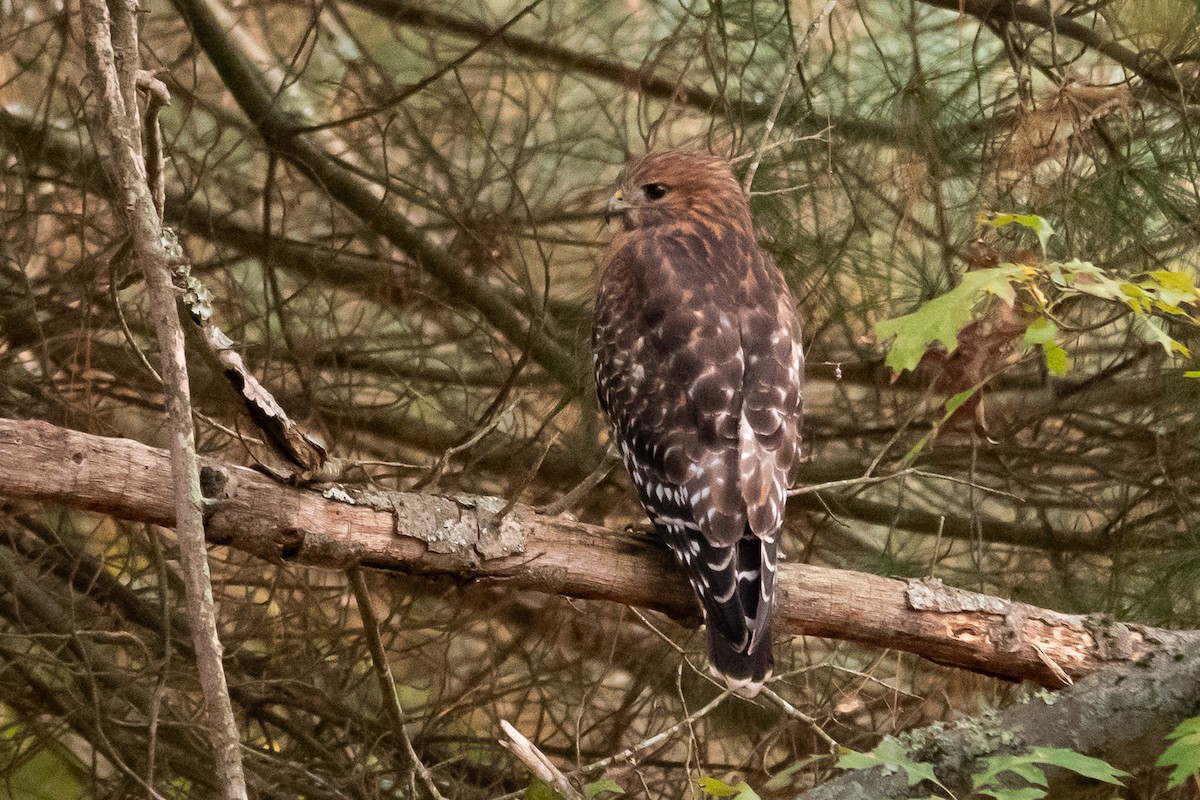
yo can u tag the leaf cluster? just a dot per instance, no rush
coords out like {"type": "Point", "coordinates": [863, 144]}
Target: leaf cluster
{"type": "Point", "coordinates": [996, 774]}
{"type": "Point", "coordinates": [1041, 290]}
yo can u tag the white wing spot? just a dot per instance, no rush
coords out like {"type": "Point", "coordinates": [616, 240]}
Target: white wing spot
{"type": "Point", "coordinates": [723, 564]}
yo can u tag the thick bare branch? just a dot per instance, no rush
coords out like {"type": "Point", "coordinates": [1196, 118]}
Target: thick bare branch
{"type": "Point", "coordinates": [460, 537]}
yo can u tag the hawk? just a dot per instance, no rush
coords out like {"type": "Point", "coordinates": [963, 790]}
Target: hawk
{"type": "Point", "coordinates": [698, 364]}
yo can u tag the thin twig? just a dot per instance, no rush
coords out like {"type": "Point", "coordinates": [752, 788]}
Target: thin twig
{"type": "Point", "coordinates": [796, 713]}
{"type": "Point", "coordinates": [868, 480]}
{"type": "Point", "coordinates": [656, 739]}
{"type": "Point", "coordinates": [156, 160]}
{"type": "Point", "coordinates": [865, 480]}
{"type": "Point", "coordinates": [387, 684]}
{"type": "Point", "coordinates": [538, 763]}
{"type": "Point", "coordinates": [769, 125]}
{"type": "Point", "coordinates": [583, 488]}
{"type": "Point", "coordinates": [491, 419]}
{"type": "Point", "coordinates": [425, 82]}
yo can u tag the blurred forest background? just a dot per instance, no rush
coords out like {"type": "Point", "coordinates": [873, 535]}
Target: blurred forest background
{"type": "Point", "coordinates": [396, 207]}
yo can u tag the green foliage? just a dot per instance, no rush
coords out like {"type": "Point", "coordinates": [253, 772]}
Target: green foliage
{"type": "Point", "coordinates": [1150, 300]}
{"type": "Point", "coordinates": [1151, 296]}
{"type": "Point", "coordinates": [716, 788]}
{"type": "Point", "coordinates": [1045, 333]}
{"type": "Point", "coordinates": [1029, 768]}
{"type": "Point", "coordinates": [953, 404]}
{"type": "Point", "coordinates": [1183, 754]}
{"type": "Point", "coordinates": [783, 779]}
{"type": "Point", "coordinates": [943, 317]}
{"type": "Point", "coordinates": [43, 775]}
{"type": "Point", "coordinates": [538, 789]}
{"type": "Point", "coordinates": [892, 756]}
{"type": "Point", "coordinates": [597, 788]}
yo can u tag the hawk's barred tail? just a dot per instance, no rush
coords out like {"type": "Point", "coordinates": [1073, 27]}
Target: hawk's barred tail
{"type": "Point", "coordinates": [744, 673]}
{"type": "Point", "coordinates": [735, 585]}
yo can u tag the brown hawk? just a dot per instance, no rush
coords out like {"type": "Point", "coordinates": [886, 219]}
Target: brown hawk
{"type": "Point", "coordinates": [698, 363]}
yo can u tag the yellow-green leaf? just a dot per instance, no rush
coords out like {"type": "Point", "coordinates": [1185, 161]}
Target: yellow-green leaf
{"type": "Point", "coordinates": [540, 790]}
{"type": "Point", "coordinates": [716, 788]}
{"type": "Point", "coordinates": [1041, 331]}
{"type": "Point", "coordinates": [1056, 359]}
{"type": "Point", "coordinates": [998, 219]}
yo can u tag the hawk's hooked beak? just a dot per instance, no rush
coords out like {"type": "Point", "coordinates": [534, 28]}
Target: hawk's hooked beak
{"type": "Point", "coordinates": [616, 206]}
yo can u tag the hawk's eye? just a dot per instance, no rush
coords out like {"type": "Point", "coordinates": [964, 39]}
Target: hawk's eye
{"type": "Point", "coordinates": [654, 191]}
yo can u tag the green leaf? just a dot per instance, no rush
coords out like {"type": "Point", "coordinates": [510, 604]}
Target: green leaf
{"type": "Point", "coordinates": [746, 793]}
{"type": "Point", "coordinates": [1056, 359]}
{"type": "Point", "coordinates": [1192, 373]}
{"type": "Point", "coordinates": [943, 317]}
{"type": "Point", "coordinates": [1187, 729]}
{"type": "Point", "coordinates": [1022, 766]}
{"type": "Point", "coordinates": [594, 788]}
{"type": "Point", "coordinates": [1171, 289]}
{"type": "Point", "coordinates": [952, 405]}
{"type": "Point", "coordinates": [955, 402]}
{"type": "Point", "coordinates": [783, 779]}
{"type": "Point", "coordinates": [1137, 297]}
{"type": "Point", "coordinates": [891, 755]}
{"type": "Point", "coordinates": [1183, 755]}
{"type": "Point", "coordinates": [1028, 767]}
{"type": "Point", "coordinates": [1022, 793]}
{"type": "Point", "coordinates": [1086, 278]}
{"type": "Point", "coordinates": [1041, 331]}
{"type": "Point", "coordinates": [1094, 768]}
{"type": "Point", "coordinates": [42, 775]}
{"type": "Point", "coordinates": [1044, 333]}
{"type": "Point", "coordinates": [1153, 330]}
{"type": "Point", "coordinates": [716, 788]}
{"type": "Point", "coordinates": [852, 759]}
{"type": "Point", "coordinates": [540, 790]}
{"type": "Point", "coordinates": [997, 219]}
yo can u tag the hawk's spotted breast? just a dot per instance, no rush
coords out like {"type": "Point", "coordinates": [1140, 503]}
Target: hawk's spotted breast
{"type": "Point", "coordinates": [698, 364]}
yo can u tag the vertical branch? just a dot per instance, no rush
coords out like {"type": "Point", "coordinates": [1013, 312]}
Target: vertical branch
{"type": "Point", "coordinates": [112, 60]}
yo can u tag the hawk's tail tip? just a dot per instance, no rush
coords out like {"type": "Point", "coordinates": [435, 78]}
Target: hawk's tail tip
{"type": "Point", "coordinates": [743, 673]}
{"type": "Point", "coordinates": [744, 687]}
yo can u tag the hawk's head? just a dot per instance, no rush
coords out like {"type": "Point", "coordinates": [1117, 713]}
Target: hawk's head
{"type": "Point", "coordinates": [673, 186]}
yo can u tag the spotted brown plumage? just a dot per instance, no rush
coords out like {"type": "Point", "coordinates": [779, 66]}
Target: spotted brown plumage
{"type": "Point", "coordinates": [696, 351]}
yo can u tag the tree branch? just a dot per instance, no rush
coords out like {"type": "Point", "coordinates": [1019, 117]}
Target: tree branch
{"type": "Point", "coordinates": [1061, 25]}
{"type": "Point", "coordinates": [112, 58]}
{"type": "Point", "coordinates": [260, 104]}
{"type": "Point", "coordinates": [461, 538]}
{"type": "Point", "coordinates": [641, 79]}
